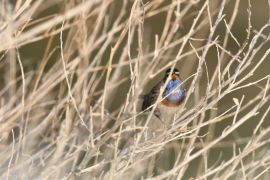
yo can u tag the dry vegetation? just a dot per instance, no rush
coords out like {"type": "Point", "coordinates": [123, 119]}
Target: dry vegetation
{"type": "Point", "coordinates": [73, 73]}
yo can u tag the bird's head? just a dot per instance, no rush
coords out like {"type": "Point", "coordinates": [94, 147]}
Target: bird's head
{"type": "Point", "coordinates": [173, 72]}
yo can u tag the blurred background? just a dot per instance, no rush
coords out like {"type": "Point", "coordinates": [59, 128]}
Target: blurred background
{"type": "Point", "coordinates": [73, 73]}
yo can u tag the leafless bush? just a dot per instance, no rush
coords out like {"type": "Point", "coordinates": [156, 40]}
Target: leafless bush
{"type": "Point", "coordinates": [73, 73]}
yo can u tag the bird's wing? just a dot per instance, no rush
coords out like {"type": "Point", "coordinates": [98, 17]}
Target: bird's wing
{"type": "Point", "coordinates": [151, 97]}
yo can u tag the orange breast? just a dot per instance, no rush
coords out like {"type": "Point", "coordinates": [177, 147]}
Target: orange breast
{"type": "Point", "coordinates": [165, 102]}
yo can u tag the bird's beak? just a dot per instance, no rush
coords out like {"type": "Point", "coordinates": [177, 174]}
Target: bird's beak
{"type": "Point", "coordinates": [174, 76]}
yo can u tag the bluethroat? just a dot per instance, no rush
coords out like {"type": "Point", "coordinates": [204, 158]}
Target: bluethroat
{"type": "Point", "coordinates": [172, 96]}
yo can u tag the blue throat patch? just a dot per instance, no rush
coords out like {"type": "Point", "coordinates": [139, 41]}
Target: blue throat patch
{"type": "Point", "coordinates": [174, 92]}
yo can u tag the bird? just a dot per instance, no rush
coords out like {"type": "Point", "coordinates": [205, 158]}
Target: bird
{"type": "Point", "coordinates": [172, 96]}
